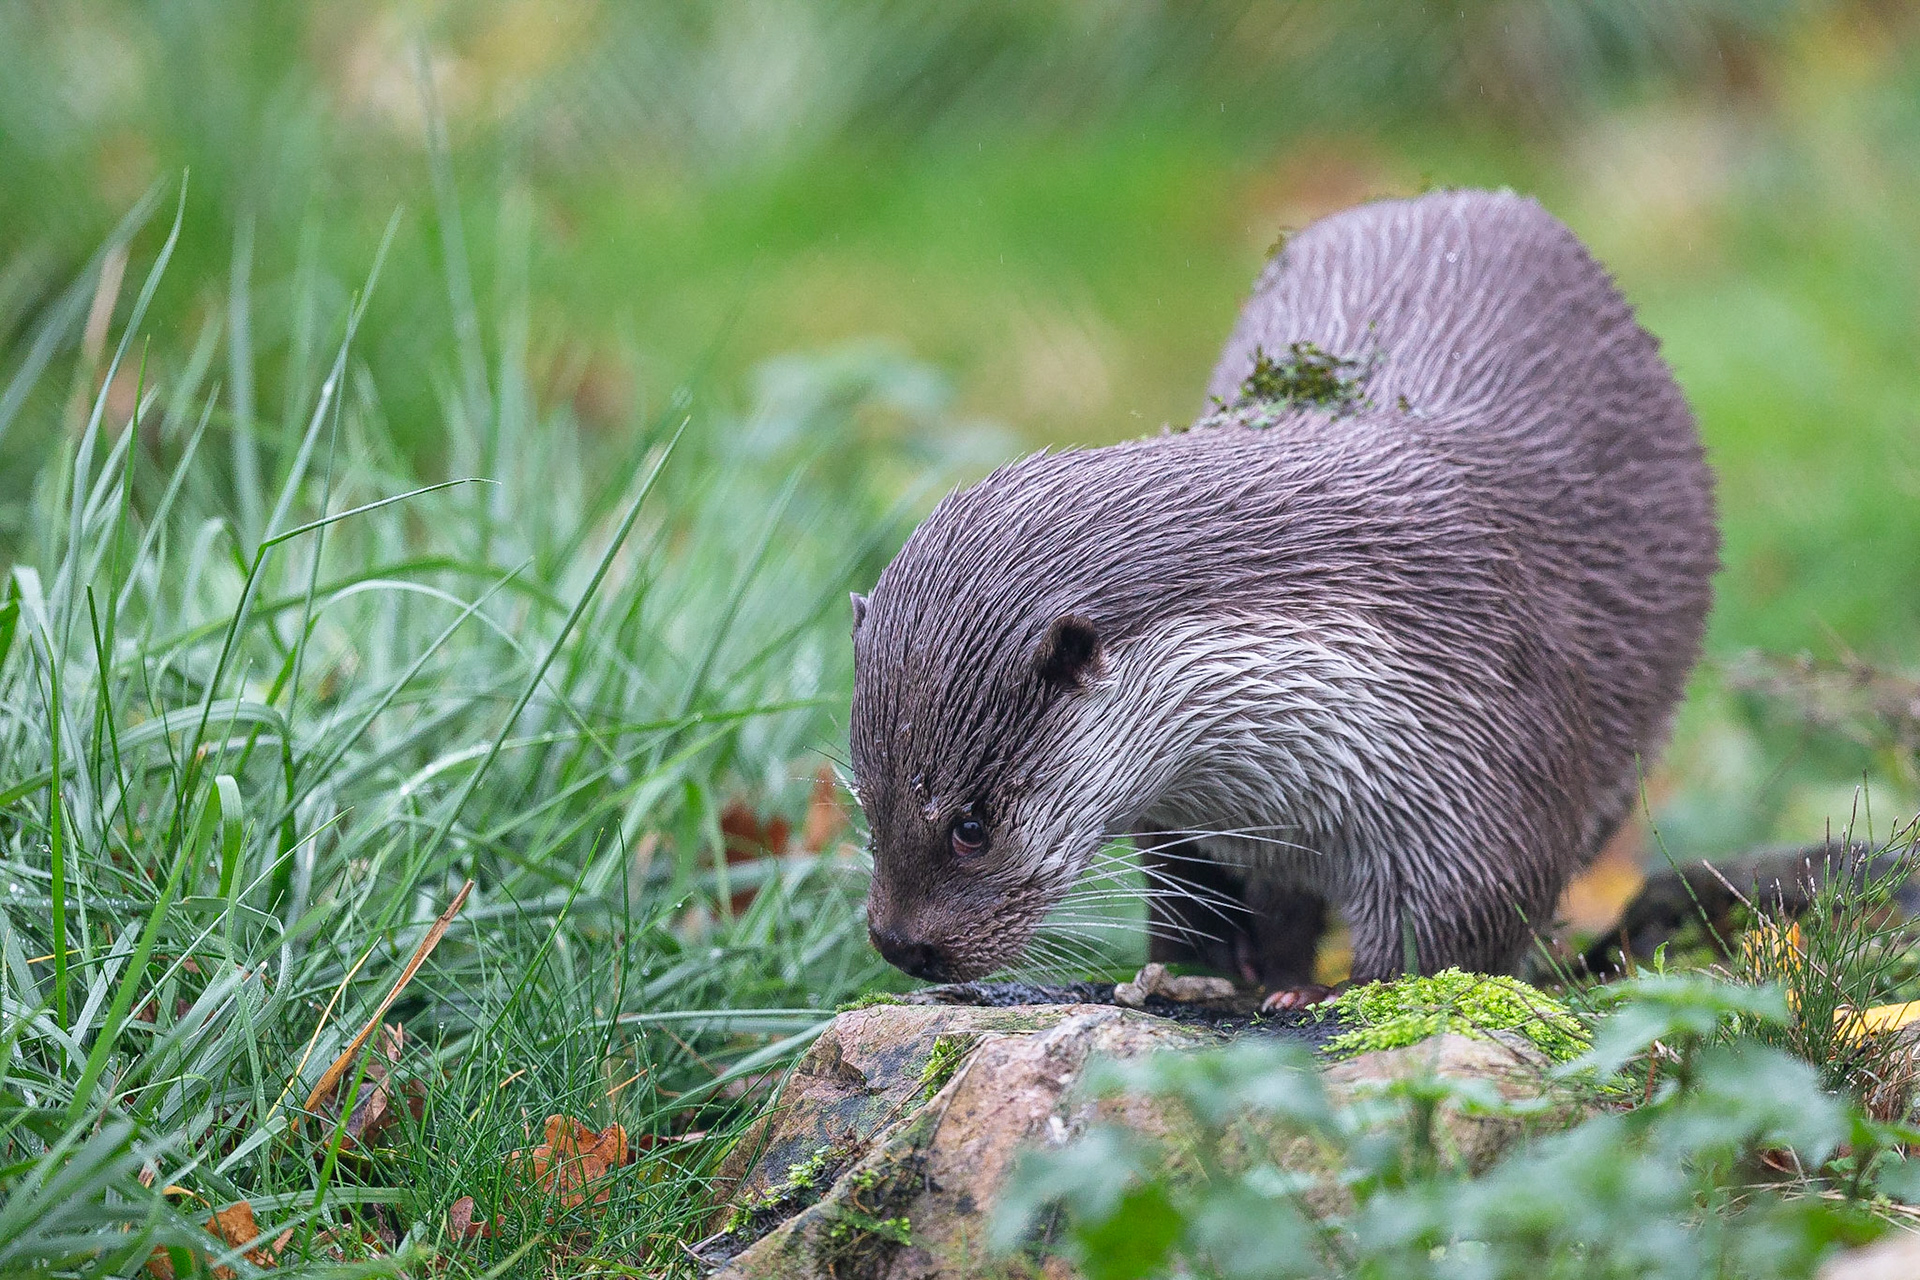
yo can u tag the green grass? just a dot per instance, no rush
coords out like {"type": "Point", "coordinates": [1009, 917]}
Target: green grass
{"type": "Point", "coordinates": [243, 772]}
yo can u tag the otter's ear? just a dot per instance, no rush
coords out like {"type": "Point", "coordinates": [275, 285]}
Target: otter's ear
{"type": "Point", "coordinates": [859, 608]}
{"type": "Point", "coordinates": [1069, 656]}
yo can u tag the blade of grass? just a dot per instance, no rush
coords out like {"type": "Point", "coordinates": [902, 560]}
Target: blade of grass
{"type": "Point", "coordinates": [59, 320]}
{"type": "Point", "coordinates": [566, 627]}
{"type": "Point", "coordinates": [103, 1045]}
{"type": "Point", "coordinates": [246, 454]}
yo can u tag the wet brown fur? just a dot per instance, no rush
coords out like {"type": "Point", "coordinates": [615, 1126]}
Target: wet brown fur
{"type": "Point", "coordinates": [1410, 658]}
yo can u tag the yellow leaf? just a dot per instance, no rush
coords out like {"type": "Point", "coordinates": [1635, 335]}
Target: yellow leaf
{"type": "Point", "coordinates": [1878, 1020]}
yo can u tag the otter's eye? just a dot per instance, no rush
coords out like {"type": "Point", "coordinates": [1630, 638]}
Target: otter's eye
{"type": "Point", "coordinates": [969, 836]}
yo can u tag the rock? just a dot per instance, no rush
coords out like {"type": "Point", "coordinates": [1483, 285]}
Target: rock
{"type": "Point", "coordinates": [1240, 1014]}
{"type": "Point", "coordinates": [897, 1131]}
{"type": "Point", "coordinates": [869, 1067]}
{"type": "Point", "coordinates": [1469, 1137]}
{"type": "Point", "coordinates": [923, 1156]}
{"type": "Point", "coordinates": [1896, 1257]}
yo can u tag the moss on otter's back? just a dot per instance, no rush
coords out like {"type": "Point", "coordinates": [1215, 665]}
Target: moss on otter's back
{"type": "Point", "coordinates": [1392, 1015]}
{"type": "Point", "coordinates": [1303, 376]}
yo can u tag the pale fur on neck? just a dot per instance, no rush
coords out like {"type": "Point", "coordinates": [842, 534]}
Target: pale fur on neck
{"type": "Point", "coordinates": [1294, 733]}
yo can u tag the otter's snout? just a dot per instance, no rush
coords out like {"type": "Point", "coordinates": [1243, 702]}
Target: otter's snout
{"type": "Point", "coordinates": [921, 959]}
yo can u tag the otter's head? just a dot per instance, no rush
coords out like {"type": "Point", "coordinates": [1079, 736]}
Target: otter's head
{"type": "Point", "coordinates": [983, 677]}
{"type": "Point", "coordinates": [975, 832]}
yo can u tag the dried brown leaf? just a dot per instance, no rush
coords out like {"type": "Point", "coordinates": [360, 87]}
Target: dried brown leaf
{"type": "Point", "coordinates": [380, 1098]}
{"type": "Point", "coordinates": [462, 1225]}
{"type": "Point", "coordinates": [748, 838]}
{"type": "Point", "coordinates": [573, 1161]}
{"type": "Point", "coordinates": [236, 1226]}
{"type": "Point", "coordinates": [826, 815]}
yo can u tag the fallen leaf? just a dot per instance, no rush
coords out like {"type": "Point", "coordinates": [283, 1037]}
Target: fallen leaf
{"type": "Point", "coordinates": [573, 1161]}
{"type": "Point", "coordinates": [571, 1166]}
{"type": "Point", "coordinates": [1769, 948]}
{"type": "Point", "coordinates": [236, 1226]}
{"type": "Point", "coordinates": [462, 1225]}
{"type": "Point", "coordinates": [826, 815]}
{"type": "Point", "coordinates": [1876, 1020]}
{"type": "Point", "coordinates": [748, 838]}
{"type": "Point", "coordinates": [1597, 897]}
{"type": "Point", "coordinates": [376, 1105]}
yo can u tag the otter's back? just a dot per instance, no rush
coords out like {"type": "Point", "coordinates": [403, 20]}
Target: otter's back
{"type": "Point", "coordinates": [1496, 340]}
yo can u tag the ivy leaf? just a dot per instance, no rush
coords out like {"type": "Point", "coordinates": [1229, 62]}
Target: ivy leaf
{"type": "Point", "coordinates": [1088, 1178]}
{"type": "Point", "coordinates": [1133, 1240]}
{"type": "Point", "coordinates": [1898, 1178]}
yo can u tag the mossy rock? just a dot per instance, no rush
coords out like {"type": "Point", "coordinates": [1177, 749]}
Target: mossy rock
{"type": "Point", "coordinates": [896, 1133]}
{"type": "Point", "coordinates": [1393, 1015]}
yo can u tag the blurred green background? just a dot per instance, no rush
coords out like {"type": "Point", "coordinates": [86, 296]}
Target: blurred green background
{"type": "Point", "coordinates": [1025, 223]}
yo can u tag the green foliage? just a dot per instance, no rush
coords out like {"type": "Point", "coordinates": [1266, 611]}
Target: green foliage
{"type": "Point", "coordinates": [1642, 1192]}
{"type": "Point", "coordinates": [868, 1001]}
{"type": "Point", "coordinates": [1682, 1011]}
{"type": "Point", "coordinates": [850, 1230]}
{"type": "Point", "coordinates": [805, 1182]}
{"type": "Point", "coordinates": [77, 1207]}
{"type": "Point", "coordinates": [1390, 1015]}
{"type": "Point", "coordinates": [809, 1174]}
{"type": "Point", "coordinates": [868, 1220]}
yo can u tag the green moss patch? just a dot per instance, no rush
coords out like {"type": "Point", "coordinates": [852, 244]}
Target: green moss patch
{"type": "Point", "coordinates": [1303, 376]}
{"type": "Point", "coordinates": [1392, 1015]}
{"type": "Point", "coordinates": [805, 1183]}
{"type": "Point", "coordinates": [948, 1053]}
{"type": "Point", "coordinates": [867, 1220]}
{"type": "Point", "coordinates": [868, 1001]}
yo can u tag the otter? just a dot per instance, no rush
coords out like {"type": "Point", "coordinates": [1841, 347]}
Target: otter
{"type": "Point", "coordinates": [1399, 650]}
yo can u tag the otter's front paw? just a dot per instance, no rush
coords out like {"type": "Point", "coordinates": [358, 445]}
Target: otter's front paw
{"type": "Point", "coordinates": [1295, 997]}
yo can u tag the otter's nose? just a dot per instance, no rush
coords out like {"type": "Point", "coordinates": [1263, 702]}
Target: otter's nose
{"type": "Point", "coordinates": [921, 959]}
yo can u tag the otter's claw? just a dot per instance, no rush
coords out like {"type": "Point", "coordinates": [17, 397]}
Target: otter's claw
{"type": "Point", "coordinates": [1295, 997]}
